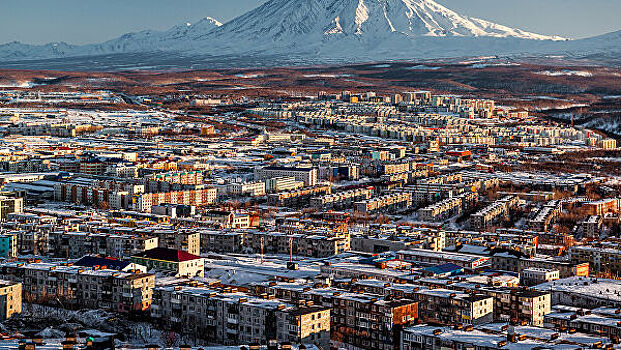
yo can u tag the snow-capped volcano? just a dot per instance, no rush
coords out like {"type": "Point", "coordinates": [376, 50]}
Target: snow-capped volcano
{"type": "Point", "coordinates": [285, 19]}
{"type": "Point", "coordinates": [323, 30]}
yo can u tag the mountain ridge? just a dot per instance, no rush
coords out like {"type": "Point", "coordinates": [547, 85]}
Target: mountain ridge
{"type": "Point", "coordinates": [324, 30]}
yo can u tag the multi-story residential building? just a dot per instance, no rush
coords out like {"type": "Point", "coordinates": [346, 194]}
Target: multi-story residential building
{"type": "Point", "coordinates": [543, 218]}
{"type": "Point", "coordinates": [184, 240]}
{"type": "Point", "coordinates": [583, 292]}
{"type": "Point", "coordinates": [282, 184]}
{"type": "Point", "coordinates": [79, 287]}
{"type": "Point", "coordinates": [452, 307]}
{"type": "Point", "coordinates": [253, 189]}
{"type": "Point", "coordinates": [319, 244]}
{"type": "Point", "coordinates": [602, 206]}
{"type": "Point", "coordinates": [365, 321]}
{"type": "Point", "coordinates": [602, 322]}
{"type": "Point", "coordinates": [516, 262]}
{"type": "Point", "coordinates": [341, 200]}
{"type": "Point", "coordinates": [432, 337]}
{"type": "Point", "coordinates": [234, 318]}
{"type": "Point", "coordinates": [432, 240]}
{"type": "Point", "coordinates": [198, 197]}
{"type": "Point", "coordinates": [8, 246]}
{"type": "Point", "coordinates": [10, 299]}
{"type": "Point", "coordinates": [493, 213]}
{"type": "Point", "coordinates": [9, 205]}
{"type": "Point", "coordinates": [195, 177]}
{"type": "Point", "coordinates": [432, 258]}
{"type": "Point", "coordinates": [388, 203]}
{"type": "Point", "coordinates": [512, 305]}
{"type": "Point", "coordinates": [306, 324]}
{"type": "Point", "coordinates": [73, 245]}
{"type": "Point", "coordinates": [534, 275]}
{"type": "Point", "coordinates": [228, 219]}
{"type": "Point", "coordinates": [295, 198]}
{"type": "Point", "coordinates": [308, 175]}
{"type": "Point", "coordinates": [177, 262]}
{"type": "Point", "coordinates": [592, 226]}
{"type": "Point", "coordinates": [349, 172]}
{"type": "Point", "coordinates": [607, 143]}
{"type": "Point", "coordinates": [442, 210]}
{"type": "Point", "coordinates": [598, 258]}
{"type": "Point", "coordinates": [222, 241]}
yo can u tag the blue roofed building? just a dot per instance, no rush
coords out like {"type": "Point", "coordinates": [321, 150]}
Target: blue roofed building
{"type": "Point", "coordinates": [444, 270]}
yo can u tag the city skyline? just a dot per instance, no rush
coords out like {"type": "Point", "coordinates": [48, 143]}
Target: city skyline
{"type": "Point", "coordinates": [51, 22]}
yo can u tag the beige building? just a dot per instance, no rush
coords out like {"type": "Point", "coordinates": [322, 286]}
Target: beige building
{"type": "Point", "coordinates": [387, 203]}
{"type": "Point", "coordinates": [10, 205]}
{"type": "Point", "coordinates": [177, 262]}
{"type": "Point", "coordinates": [533, 276]}
{"type": "Point", "coordinates": [607, 144]}
{"type": "Point", "coordinates": [228, 219]}
{"type": "Point", "coordinates": [10, 299]}
{"type": "Point", "coordinates": [308, 175]}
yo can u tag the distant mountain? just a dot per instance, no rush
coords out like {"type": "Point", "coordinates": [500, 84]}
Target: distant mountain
{"type": "Point", "coordinates": [325, 31]}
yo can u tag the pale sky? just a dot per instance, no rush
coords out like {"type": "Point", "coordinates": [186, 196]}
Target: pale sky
{"type": "Point", "coordinates": [92, 21]}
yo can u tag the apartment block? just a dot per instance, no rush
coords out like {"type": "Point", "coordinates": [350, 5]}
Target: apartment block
{"type": "Point", "coordinates": [319, 244]}
{"type": "Point", "coordinates": [73, 245]}
{"type": "Point", "coordinates": [388, 203]}
{"type": "Point", "coordinates": [533, 276]}
{"type": "Point", "coordinates": [298, 197]}
{"type": "Point", "coordinates": [598, 258]}
{"type": "Point", "coordinates": [173, 261]}
{"type": "Point", "coordinates": [253, 189]}
{"type": "Point", "coordinates": [78, 287]}
{"type": "Point", "coordinates": [234, 318]}
{"type": "Point", "coordinates": [341, 200]}
{"type": "Point", "coordinates": [222, 241]}
{"type": "Point", "coordinates": [493, 213]}
{"type": "Point", "coordinates": [8, 245]}
{"type": "Point", "coordinates": [365, 321]}
{"type": "Point", "coordinates": [10, 299]}
{"type": "Point", "coordinates": [518, 306]}
{"type": "Point", "coordinates": [442, 210]}
{"type": "Point", "coordinates": [432, 258]}
{"type": "Point", "coordinates": [452, 307]}
{"type": "Point", "coordinates": [282, 184]}
{"type": "Point", "coordinates": [9, 205]}
{"type": "Point", "coordinates": [199, 197]}
{"type": "Point", "coordinates": [307, 175]}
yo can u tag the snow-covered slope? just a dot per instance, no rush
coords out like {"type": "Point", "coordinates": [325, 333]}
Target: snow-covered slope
{"type": "Point", "coordinates": [344, 30]}
{"type": "Point", "coordinates": [279, 20]}
{"type": "Point", "coordinates": [143, 41]}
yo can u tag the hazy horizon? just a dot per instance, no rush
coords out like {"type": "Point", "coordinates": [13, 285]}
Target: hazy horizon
{"type": "Point", "coordinates": [39, 21]}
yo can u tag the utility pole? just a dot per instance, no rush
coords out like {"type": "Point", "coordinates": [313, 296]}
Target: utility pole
{"type": "Point", "coordinates": [291, 249]}
{"type": "Point", "coordinates": [261, 250]}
